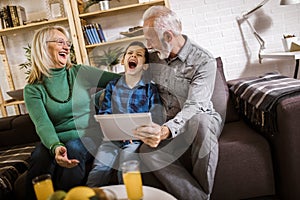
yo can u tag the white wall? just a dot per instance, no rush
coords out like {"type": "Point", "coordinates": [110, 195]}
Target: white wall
{"type": "Point", "coordinates": [212, 24]}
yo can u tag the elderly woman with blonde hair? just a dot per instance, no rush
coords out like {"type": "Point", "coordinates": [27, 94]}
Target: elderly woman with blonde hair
{"type": "Point", "coordinates": [58, 101]}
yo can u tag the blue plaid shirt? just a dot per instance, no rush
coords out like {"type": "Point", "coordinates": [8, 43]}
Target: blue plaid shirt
{"type": "Point", "coordinates": [144, 97]}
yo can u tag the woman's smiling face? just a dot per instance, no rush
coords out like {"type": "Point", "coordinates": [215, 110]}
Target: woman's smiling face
{"type": "Point", "coordinates": [59, 49]}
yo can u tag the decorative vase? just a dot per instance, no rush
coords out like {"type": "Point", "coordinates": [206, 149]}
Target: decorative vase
{"type": "Point", "coordinates": [104, 5]}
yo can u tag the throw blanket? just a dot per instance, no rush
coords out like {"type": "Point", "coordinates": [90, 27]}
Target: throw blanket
{"type": "Point", "coordinates": [257, 98]}
{"type": "Point", "coordinates": [13, 162]}
{"type": "Point", "coordinates": [264, 92]}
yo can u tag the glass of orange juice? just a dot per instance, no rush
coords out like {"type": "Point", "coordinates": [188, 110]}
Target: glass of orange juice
{"type": "Point", "coordinates": [132, 179]}
{"type": "Point", "coordinates": [43, 186]}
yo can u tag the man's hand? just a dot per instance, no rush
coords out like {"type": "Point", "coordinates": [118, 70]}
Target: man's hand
{"type": "Point", "coordinates": [153, 134]}
{"type": "Point", "coordinates": [62, 158]}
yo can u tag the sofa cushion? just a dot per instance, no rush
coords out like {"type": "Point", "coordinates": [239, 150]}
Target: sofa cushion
{"type": "Point", "coordinates": [245, 167]}
{"type": "Point", "coordinates": [6, 123]}
{"type": "Point", "coordinates": [21, 131]}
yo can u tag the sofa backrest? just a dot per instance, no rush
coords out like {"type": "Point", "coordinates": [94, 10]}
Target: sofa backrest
{"type": "Point", "coordinates": [19, 130]}
{"type": "Point", "coordinates": [221, 98]}
{"type": "Point", "coordinates": [221, 93]}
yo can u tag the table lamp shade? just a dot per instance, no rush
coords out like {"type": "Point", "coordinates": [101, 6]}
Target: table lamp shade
{"type": "Point", "coordinates": [289, 2]}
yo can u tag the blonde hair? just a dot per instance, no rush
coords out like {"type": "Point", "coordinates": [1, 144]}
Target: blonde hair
{"type": "Point", "coordinates": [41, 61]}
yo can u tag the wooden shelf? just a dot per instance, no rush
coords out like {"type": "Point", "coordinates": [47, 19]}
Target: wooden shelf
{"type": "Point", "coordinates": [127, 39]}
{"type": "Point", "coordinates": [121, 9]}
{"type": "Point", "coordinates": [8, 31]}
{"type": "Point", "coordinates": [12, 102]}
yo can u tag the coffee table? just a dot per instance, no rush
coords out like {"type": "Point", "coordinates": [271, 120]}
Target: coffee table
{"type": "Point", "coordinates": [150, 193]}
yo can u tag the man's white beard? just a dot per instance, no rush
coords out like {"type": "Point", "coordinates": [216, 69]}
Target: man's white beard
{"type": "Point", "coordinates": [165, 51]}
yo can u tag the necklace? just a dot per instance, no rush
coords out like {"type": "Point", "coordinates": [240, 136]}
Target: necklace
{"type": "Point", "coordinates": [58, 100]}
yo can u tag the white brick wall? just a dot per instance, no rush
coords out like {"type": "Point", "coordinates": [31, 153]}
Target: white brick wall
{"type": "Point", "coordinates": [212, 24]}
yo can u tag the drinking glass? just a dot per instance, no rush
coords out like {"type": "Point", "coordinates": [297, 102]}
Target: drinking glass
{"type": "Point", "coordinates": [43, 186]}
{"type": "Point", "coordinates": [132, 179]}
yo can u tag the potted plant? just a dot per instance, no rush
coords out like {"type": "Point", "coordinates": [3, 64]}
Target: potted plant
{"type": "Point", "coordinates": [109, 58]}
{"type": "Point", "coordinates": [27, 65]}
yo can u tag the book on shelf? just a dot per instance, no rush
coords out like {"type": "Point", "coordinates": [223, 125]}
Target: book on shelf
{"type": "Point", "coordinates": [12, 16]}
{"type": "Point", "coordinates": [100, 32]}
{"type": "Point", "coordinates": [2, 26]}
{"type": "Point", "coordinates": [7, 17]}
{"type": "Point", "coordinates": [21, 14]}
{"type": "Point", "coordinates": [86, 38]}
{"type": "Point", "coordinates": [93, 33]}
{"type": "Point", "coordinates": [89, 34]}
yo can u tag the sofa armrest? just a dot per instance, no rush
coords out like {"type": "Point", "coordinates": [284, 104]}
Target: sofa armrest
{"type": "Point", "coordinates": [284, 140]}
{"type": "Point", "coordinates": [288, 113]}
{"type": "Point", "coordinates": [286, 145]}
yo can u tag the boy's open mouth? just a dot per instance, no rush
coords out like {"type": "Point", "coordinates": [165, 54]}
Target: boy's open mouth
{"type": "Point", "coordinates": [132, 64]}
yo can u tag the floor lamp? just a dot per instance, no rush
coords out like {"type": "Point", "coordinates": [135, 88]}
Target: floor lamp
{"type": "Point", "coordinates": [244, 18]}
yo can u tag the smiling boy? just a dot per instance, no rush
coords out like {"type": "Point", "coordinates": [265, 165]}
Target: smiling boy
{"type": "Point", "coordinates": [129, 94]}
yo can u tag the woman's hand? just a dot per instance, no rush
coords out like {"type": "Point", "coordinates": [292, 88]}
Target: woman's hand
{"type": "Point", "coordinates": [62, 158]}
{"type": "Point", "coordinates": [153, 134]}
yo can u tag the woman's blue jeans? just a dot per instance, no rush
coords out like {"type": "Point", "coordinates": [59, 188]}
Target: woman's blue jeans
{"type": "Point", "coordinates": [42, 162]}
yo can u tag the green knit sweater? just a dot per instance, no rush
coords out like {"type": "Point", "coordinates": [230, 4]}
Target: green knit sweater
{"type": "Point", "coordinates": [54, 120]}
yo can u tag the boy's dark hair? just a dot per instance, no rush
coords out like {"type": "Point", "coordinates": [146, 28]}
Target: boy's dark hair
{"type": "Point", "coordinates": [140, 44]}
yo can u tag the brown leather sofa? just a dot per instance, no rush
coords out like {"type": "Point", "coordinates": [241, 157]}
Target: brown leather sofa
{"type": "Point", "coordinates": [251, 165]}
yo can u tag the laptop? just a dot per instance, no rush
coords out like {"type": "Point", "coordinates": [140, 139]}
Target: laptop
{"type": "Point", "coordinates": [119, 126]}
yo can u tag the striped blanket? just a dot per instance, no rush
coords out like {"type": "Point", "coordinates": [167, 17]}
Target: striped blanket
{"type": "Point", "coordinates": [264, 92]}
{"type": "Point", "coordinates": [257, 98]}
{"type": "Point", "coordinates": [13, 162]}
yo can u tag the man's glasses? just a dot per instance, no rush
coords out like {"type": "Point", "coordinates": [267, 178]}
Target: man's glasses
{"type": "Point", "coordinates": [62, 42]}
